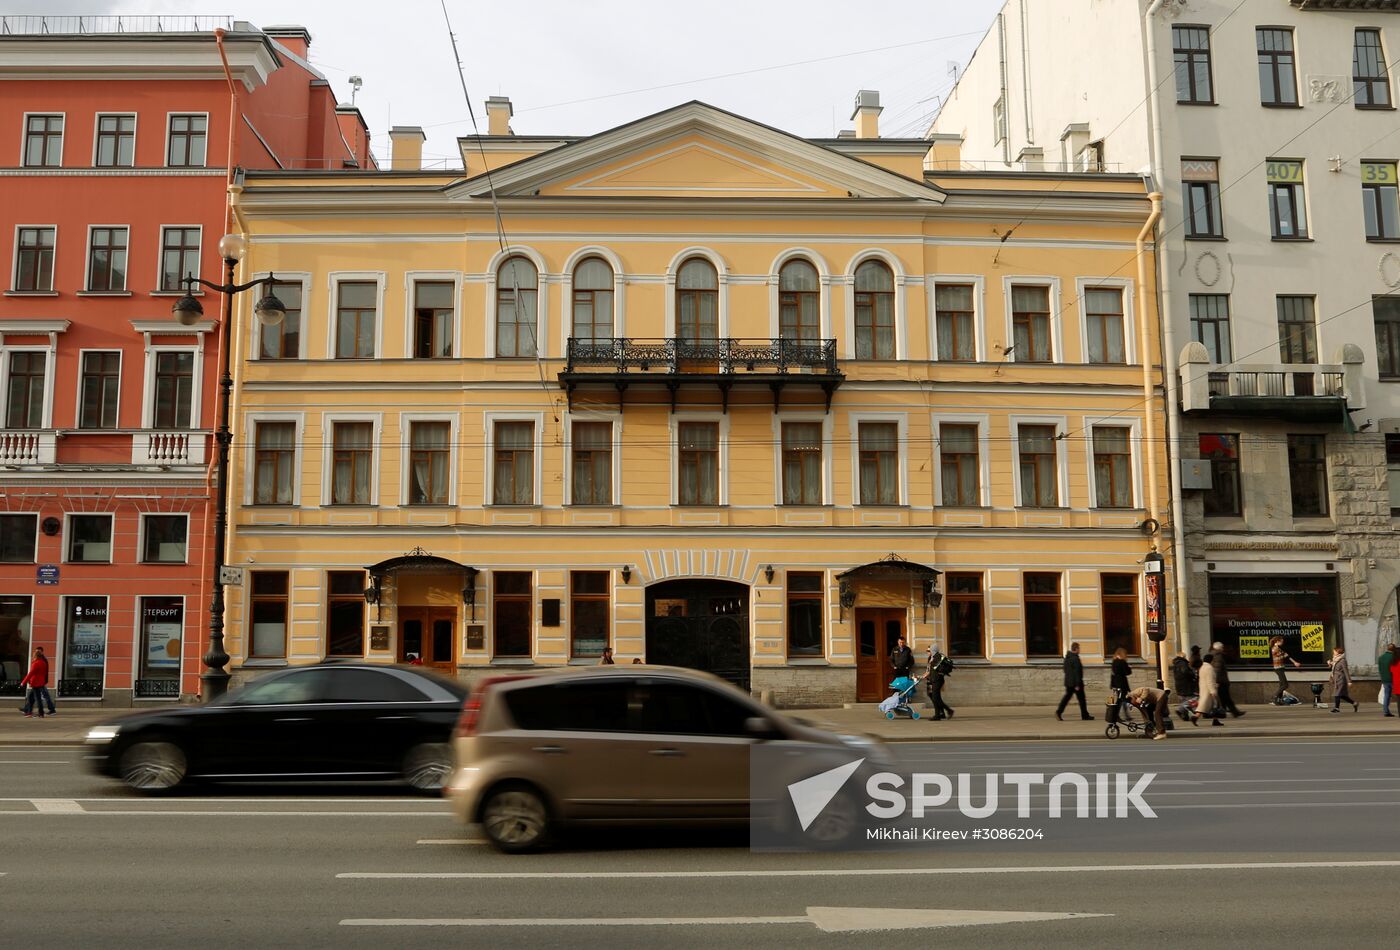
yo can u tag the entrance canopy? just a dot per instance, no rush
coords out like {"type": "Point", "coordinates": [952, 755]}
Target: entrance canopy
{"type": "Point", "coordinates": [418, 561]}
{"type": "Point", "coordinates": [892, 567]}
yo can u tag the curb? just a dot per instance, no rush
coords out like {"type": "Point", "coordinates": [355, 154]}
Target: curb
{"type": "Point", "coordinates": [1224, 733]}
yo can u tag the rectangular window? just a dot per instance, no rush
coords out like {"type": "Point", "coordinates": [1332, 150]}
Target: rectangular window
{"type": "Point", "coordinates": [187, 141]}
{"type": "Point", "coordinates": [116, 141]}
{"type": "Point", "coordinates": [512, 613]}
{"type": "Point", "coordinates": [802, 463]}
{"type": "Point", "coordinates": [174, 390]}
{"type": "Point", "coordinates": [345, 613]}
{"type": "Point", "coordinates": [354, 323]}
{"type": "Point", "coordinates": [430, 450]}
{"type": "Point", "coordinates": [1103, 316]}
{"type": "Point", "coordinates": [957, 338]}
{"type": "Point", "coordinates": [1039, 481]}
{"type": "Point", "coordinates": [18, 536]}
{"type": "Point", "coordinates": [432, 319]}
{"type": "Point", "coordinates": [1385, 311]}
{"type": "Point", "coordinates": [179, 257]}
{"type": "Point", "coordinates": [589, 613]}
{"type": "Point", "coordinates": [1297, 331]}
{"type": "Point", "coordinates": [958, 465]}
{"type": "Point", "coordinates": [1378, 201]}
{"type": "Point", "coordinates": [164, 539]}
{"type": "Point", "coordinates": [515, 464]}
{"type": "Point", "coordinates": [274, 463]}
{"type": "Point", "coordinates": [1042, 614]}
{"type": "Point", "coordinates": [162, 635]}
{"type": "Point", "coordinates": [805, 626]}
{"type": "Point", "coordinates": [1370, 81]}
{"type": "Point", "coordinates": [24, 395]}
{"type": "Point", "coordinates": [1191, 52]}
{"type": "Point", "coordinates": [43, 141]}
{"type": "Point", "coordinates": [352, 449]}
{"type": "Point", "coordinates": [34, 260]}
{"type": "Point", "coordinates": [1113, 467]}
{"type": "Point", "coordinates": [1223, 452]}
{"type": "Point", "coordinates": [90, 539]}
{"type": "Point", "coordinates": [592, 463]}
{"type": "Point", "coordinates": [879, 463]}
{"type": "Point", "coordinates": [1200, 185]}
{"type": "Point", "coordinates": [698, 463]}
{"type": "Point", "coordinates": [1210, 325]}
{"type": "Point", "coordinates": [84, 646]}
{"type": "Point", "coordinates": [1307, 475]}
{"type": "Point", "coordinates": [1030, 324]}
{"type": "Point", "coordinates": [269, 613]}
{"type": "Point", "coordinates": [1288, 211]}
{"type": "Point", "coordinates": [1392, 474]}
{"type": "Point", "coordinates": [282, 341]}
{"type": "Point", "coordinates": [1120, 613]}
{"type": "Point", "coordinates": [999, 121]}
{"type": "Point", "coordinates": [1277, 85]}
{"type": "Point", "coordinates": [965, 611]}
{"type": "Point", "coordinates": [107, 260]}
{"type": "Point", "coordinates": [100, 384]}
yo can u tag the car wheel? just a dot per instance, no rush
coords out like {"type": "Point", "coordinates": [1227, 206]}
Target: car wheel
{"type": "Point", "coordinates": [153, 765]}
{"type": "Point", "coordinates": [427, 766]}
{"type": "Point", "coordinates": [515, 819]}
{"type": "Point", "coordinates": [836, 826]}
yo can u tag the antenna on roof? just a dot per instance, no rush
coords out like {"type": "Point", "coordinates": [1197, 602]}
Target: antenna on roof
{"type": "Point", "coordinates": [355, 83]}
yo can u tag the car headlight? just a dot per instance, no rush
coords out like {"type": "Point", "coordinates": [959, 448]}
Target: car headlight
{"type": "Point", "coordinates": [103, 733]}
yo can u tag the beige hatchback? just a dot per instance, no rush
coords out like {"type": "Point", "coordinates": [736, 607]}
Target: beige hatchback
{"type": "Point", "coordinates": [622, 744]}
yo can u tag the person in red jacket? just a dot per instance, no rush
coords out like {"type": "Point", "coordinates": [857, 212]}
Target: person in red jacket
{"type": "Point", "coordinates": [37, 681]}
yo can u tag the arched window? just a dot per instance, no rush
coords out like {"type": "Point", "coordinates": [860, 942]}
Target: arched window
{"type": "Point", "coordinates": [517, 291]}
{"type": "Point", "coordinates": [799, 317]}
{"type": "Point", "coordinates": [874, 311]}
{"type": "Point", "coordinates": [697, 301]}
{"type": "Point", "coordinates": [593, 300]}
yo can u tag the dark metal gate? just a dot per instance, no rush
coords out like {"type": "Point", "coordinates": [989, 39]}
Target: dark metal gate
{"type": "Point", "coordinates": [700, 624]}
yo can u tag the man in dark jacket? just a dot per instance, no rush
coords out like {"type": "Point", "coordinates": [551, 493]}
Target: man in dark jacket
{"type": "Point", "coordinates": [938, 664]}
{"type": "Point", "coordinates": [902, 659]}
{"type": "Point", "coordinates": [1222, 679]}
{"type": "Point", "coordinates": [1384, 662]}
{"type": "Point", "coordinates": [1074, 684]}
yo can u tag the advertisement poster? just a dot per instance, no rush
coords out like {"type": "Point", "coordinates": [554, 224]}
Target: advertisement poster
{"type": "Point", "coordinates": [87, 645]}
{"type": "Point", "coordinates": [1156, 628]}
{"type": "Point", "coordinates": [1246, 611]}
{"type": "Point", "coordinates": [163, 646]}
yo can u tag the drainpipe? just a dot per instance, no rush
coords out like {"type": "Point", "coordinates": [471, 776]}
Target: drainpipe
{"type": "Point", "coordinates": [1149, 396]}
{"type": "Point", "coordinates": [1170, 383]}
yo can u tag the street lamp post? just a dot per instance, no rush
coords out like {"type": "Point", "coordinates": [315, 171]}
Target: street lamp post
{"type": "Point", "coordinates": [187, 310]}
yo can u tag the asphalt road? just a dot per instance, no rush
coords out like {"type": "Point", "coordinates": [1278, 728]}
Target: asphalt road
{"type": "Point", "coordinates": [1294, 841]}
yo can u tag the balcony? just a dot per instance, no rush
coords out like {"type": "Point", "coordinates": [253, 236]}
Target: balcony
{"type": "Point", "coordinates": [1295, 392]}
{"type": "Point", "coordinates": [168, 446]}
{"type": "Point", "coordinates": [723, 363]}
{"type": "Point", "coordinates": [27, 447]}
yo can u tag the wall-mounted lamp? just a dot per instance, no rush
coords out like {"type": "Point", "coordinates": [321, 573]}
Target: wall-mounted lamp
{"type": "Point", "coordinates": [374, 594]}
{"type": "Point", "coordinates": [469, 591]}
{"type": "Point", "coordinates": [626, 573]}
{"type": "Point", "coordinates": [846, 597]}
{"type": "Point", "coordinates": [932, 596]}
{"type": "Point", "coordinates": [768, 573]}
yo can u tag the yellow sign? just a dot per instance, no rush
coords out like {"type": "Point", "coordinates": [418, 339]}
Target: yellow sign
{"type": "Point", "coordinates": [1312, 637]}
{"type": "Point", "coordinates": [1254, 648]}
{"type": "Point", "coordinates": [1284, 172]}
{"type": "Point", "coordinates": [1378, 173]}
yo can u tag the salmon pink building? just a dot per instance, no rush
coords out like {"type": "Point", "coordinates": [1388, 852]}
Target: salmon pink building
{"type": "Point", "coordinates": [119, 139]}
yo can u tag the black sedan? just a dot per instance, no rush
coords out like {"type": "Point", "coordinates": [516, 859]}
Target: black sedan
{"type": "Point", "coordinates": [330, 722]}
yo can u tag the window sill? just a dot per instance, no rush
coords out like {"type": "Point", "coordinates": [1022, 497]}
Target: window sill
{"type": "Point", "coordinates": [1292, 240]}
{"type": "Point", "coordinates": [895, 506]}
{"type": "Point", "coordinates": [1196, 102]}
{"type": "Point", "coordinates": [1042, 660]}
{"type": "Point", "coordinates": [808, 661]}
{"type": "Point", "coordinates": [31, 293]}
{"type": "Point", "coordinates": [964, 508]}
{"type": "Point", "coordinates": [1313, 523]}
{"type": "Point", "coordinates": [1366, 108]}
{"type": "Point", "coordinates": [596, 505]}
{"type": "Point", "coordinates": [1281, 105]}
{"type": "Point", "coordinates": [1226, 522]}
{"type": "Point", "coordinates": [1043, 508]}
{"type": "Point", "coordinates": [164, 563]}
{"type": "Point", "coordinates": [523, 506]}
{"type": "Point", "coordinates": [103, 293]}
{"type": "Point", "coordinates": [1389, 379]}
{"type": "Point", "coordinates": [595, 661]}
{"type": "Point", "coordinates": [175, 293]}
{"type": "Point", "coordinates": [352, 506]}
{"type": "Point", "coordinates": [282, 505]}
{"type": "Point", "coordinates": [87, 563]}
{"type": "Point", "coordinates": [1218, 238]}
{"type": "Point", "coordinates": [701, 507]}
{"type": "Point", "coordinates": [429, 505]}
{"type": "Point", "coordinates": [267, 663]}
{"type": "Point", "coordinates": [816, 505]}
{"type": "Point", "coordinates": [513, 661]}
{"type": "Point", "coordinates": [1382, 240]}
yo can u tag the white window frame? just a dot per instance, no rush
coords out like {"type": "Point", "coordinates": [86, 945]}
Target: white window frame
{"type": "Point", "coordinates": [141, 535]}
{"type": "Point", "coordinates": [1061, 425]}
{"type": "Point", "coordinates": [406, 421]}
{"type": "Point", "coordinates": [828, 456]}
{"type": "Point", "coordinates": [135, 130]}
{"type": "Point", "coordinates": [984, 461]}
{"type": "Point", "coordinates": [1135, 450]}
{"type": "Point", "coordinates": [566, 293]}
{"type": "Point", "coordinates": [674, 429]}
{"type": "Point", "coordinates": [51, 355]}
{"type": "Point", "coordinates": [68, 517]}
{"type": "Point", "coordinates": [87, 260]}
{"type": "Point", "coordinates": [14, 259]}
{"type": "Point", "coordinates": [148, 396]}
{"type": "Point", "coordinates": [78, 389]}
{"type": "Point", "coordinates": [807, 254]}
{"type": "Point", "coordinates": [615, 418]}
{"type": "Point", "coordinates": [328, 421]}
{"type": "Point", "coordinates": [165, 143]}
{"type": "Point", "coordinates": [24, 139]}
{"type": "Point", "coordinates": [901, 281]}
{"type": "Point", "coordinates": [34, 554]}
{"type": "Point", "coordinates": [410, 281]}
{"type": "Point", "coordinates": [160, 259]}
{"type": "Point", "coordinates": [334, 280]}
{"type": "Point", "coordinates": [543, 278]}
{"type": "Point", "coordinates": [250, 460]}
{"type": "Point", "coordinates": [1082, 285]}
{"type": "Point", "coordinates": [255, 326]}
{"type": "Point", "coordinates": [979, 312]}
{"type": "Point", "coordinates": [489, 420]}
{"type": "Point", "coordinates": [721, 293]}
{"type": "Point", "coordinates": [901, 419]}
{"type": "Point", "coordinates": [1057, 336]}
{"type": "Point", "coordinates": [64, 603]}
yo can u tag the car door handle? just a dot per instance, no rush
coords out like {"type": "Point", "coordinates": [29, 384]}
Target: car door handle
{"type": "Point", "coordinates": [392, 718]}
{"type": "Point", "coordinates": [550, 749]}
{"type": "Point", "coordinates": [668, 753]}
{"type": "Point", "coordinates": [293, 719]}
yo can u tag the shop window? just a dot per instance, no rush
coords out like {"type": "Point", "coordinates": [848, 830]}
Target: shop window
{"type": "Point", "coordinates": [1120, 613]}
{"type": "Point", "coordinates": [589, 614]}
{"type": "Point", "coordinates": [591, 463]}
{"type": "Point", "coordinates": [805, 617]}
{"type": "Point", "coordinates": [879, 463]}
{"type": "Point", "coordinates": [84, 646]}
{"type": "Point", "coordinates": [802, 463]}
{"type": "Point", "coordinates": [162, 633]}
{"type": "Point", "coordinates": [16, 623]}
{"type": "Point", "coordinates": [1247, 610]}
{"type": "Point", "coordinates": [1042, 614]}
{"type": "Point", "coordinates": [512, 613]}
{"type": "Point", "coordinates": [345, 613]}
{"type": "Point", "coordinates": [1392, 471]}
{"type": "Point", "coordinates": [270, 612]}
{"type": "Point", "coordinates": [90, 539]}
{"type": "Point", "coordinates": [282, 341]}
{"type": "Point", "coordinates": [18, 538]}
{"type": "Point", "coordinates": [965, 610]}
{"type": "Point", "coordinates": [1307, 475]}
{"type": "Point", "coordinates": [432, 319]}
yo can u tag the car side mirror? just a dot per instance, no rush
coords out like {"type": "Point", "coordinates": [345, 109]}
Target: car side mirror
{"type": "Point", "coordinates": [760, 728]}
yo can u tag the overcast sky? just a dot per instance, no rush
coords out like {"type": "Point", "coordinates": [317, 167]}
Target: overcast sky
{"type": "Point", "coordinates": [576, 67]}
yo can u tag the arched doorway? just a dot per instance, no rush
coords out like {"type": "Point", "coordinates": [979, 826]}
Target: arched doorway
{"type": "Point", "coordinates": [701, 624]}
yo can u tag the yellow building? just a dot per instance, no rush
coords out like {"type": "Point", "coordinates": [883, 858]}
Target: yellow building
{"type": "Point", "coordinates": [706, 393]}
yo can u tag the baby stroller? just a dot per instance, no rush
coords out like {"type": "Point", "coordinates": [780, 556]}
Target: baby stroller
{"type": "Point", "coordinates": [1317, 689]}
{"type": "Point", "coordinates": [1119, 715]}
{"type": "Point", "coordinates": [898, 703]}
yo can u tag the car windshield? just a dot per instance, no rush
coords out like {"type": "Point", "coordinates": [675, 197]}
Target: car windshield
{"type": "Point", "coordinates": [300, 686]}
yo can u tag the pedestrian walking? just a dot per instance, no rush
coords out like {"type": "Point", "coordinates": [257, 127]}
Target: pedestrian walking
{"type": "Point", "coordinates": [1209, 691]}
{"type": "Point", "coordinates": [1278, 656]}
{"type": "Point", "coordinates": [1222, 679]}
{"type": "Point", "coordinates": [1195, 657]}
{"type": "Point", "coordinates": [939, 666]}
{"type": "Point", "coordinates": [1074, 684]}
{"type": "Point", "coordinates": [902, 660]}
{"type": "Point", "coordinates": [1383, 664]}
{"type": "Point", "coordinates": [1152, 702]}
{"type": "Point", "coordinates": [37, 681]}
{"type": "Point", "coordinates": [1341, 680]}
{"type": "Point", "coordinates": [1184, 680]}
{"type": "Point", "coordinates": [607, 659]}
{"type": "Point", "coordinates": [1118, 678]}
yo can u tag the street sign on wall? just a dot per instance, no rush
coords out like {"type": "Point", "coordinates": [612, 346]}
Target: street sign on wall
{"type": "Point", "coordinates": [46, 575]}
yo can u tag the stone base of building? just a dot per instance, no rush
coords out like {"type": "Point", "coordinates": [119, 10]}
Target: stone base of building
{"type": "Point", "coordinates": [797, 687]}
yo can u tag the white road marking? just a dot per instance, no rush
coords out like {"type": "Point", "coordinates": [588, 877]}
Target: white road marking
{"type": "Point", "coordinates": [408, 799]}
{"type": "Point", "coordinates": [452, 841]}
{"type": "Point", "coordinates": [849, 872]}
{"type": "Point", "coordinates": [231, 814]}
{"type": "Point", "coordinates": [57, 806]}
{"type": "Point", "coordinates": [34, 762]}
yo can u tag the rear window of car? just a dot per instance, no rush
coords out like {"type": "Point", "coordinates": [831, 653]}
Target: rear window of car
{"type": "Point", "coordinates": [369, 686]}
{"type": "Point", "coordinates": [570, 707]}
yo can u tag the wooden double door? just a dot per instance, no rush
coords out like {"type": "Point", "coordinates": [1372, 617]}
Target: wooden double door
{"type": "Point", "coordinates": [877, 630]}
{"type": "Point", "coordinates": [430, 633]}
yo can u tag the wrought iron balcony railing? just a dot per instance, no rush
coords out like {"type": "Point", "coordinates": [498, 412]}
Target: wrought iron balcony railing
{"type": "Point", "coordinates": [726, 355]}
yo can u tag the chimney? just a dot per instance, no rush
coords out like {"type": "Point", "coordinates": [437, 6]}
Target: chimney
{"type": "Point", "coordinates": [498, 113]}
{"type": "Point", "coordinates": [292, 37]}
{"type": "Point", "coordinates": [406, 148]}
{"type": "Point", "coordinates": [867, 114]}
